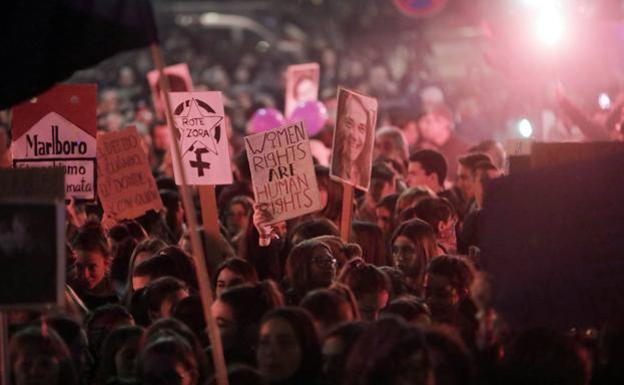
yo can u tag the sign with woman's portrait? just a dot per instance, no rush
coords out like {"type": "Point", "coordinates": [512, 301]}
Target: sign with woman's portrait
{"type": "Point", "coordinates": [302, 85]}
{"type": "Point", "coordinates": [354, 134]}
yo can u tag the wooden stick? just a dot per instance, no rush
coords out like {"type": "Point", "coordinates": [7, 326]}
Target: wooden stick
{"type": "Point", "coordinates": [196, 243]}
{"type": "Point", "coordinates": [347, 212]}
{"type": "Point", "coordinates": [5, 367]}
{"type": "Point", "coordinates": [209, 211]}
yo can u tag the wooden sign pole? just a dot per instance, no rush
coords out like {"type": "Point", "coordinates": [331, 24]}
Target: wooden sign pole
{"type": "Point", "coordinates": [347, 212]}
{"type": "Point", "coordinates": [196, 243]}
{"type": "Point", "coordinates": [209, 211]}
{"type": "Point", "coordinates": [5, 367]}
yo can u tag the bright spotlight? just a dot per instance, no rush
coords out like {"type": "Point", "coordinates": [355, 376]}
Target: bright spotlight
{"type": "Point", "coordinates": [549, 24]}
{"type": "Point", "coordinates": [525, 128]}
{"type": "Point", "coordinates": [604, 101]}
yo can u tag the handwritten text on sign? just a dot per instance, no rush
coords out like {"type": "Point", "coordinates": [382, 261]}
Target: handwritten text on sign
{"type": "Point", "coordinates": [282, 171]}
{"type": "Point", "coordinates": [126, 187]}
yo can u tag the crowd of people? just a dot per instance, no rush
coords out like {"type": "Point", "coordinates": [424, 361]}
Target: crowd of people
{"type": "Point", "coordinates": [404, 301]}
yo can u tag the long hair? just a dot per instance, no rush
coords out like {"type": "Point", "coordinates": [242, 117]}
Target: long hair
{"type": "Point", "coordinates": [423, 236]}
{"type": "Point", "coordinates": [341, 164]}
{"type": "Point", "coordinates": [301, 323]}
{"type": "Point", "coordinates": [48, 342]}
{"type": "Point", "coordinates": [298, 265]}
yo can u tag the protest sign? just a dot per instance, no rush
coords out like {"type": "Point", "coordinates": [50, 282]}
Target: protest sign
{"type": "Point", "coordinates": [552, 242]}
{"type": "Point", "coordinates": [58, 129]}
{"type": "Point", "coordinates": [200, 120]}
{"type": "Point", "coordinates": [179, 81]}
{"type": "Point", "coordinates": [32, 237]}
{"type": "Point", "coordinates": [302, 85]}
{"type": "Point", "coordinates": [352, 150]}
{"type": "Point", "coordinates": [282, 171]}
{"type": "Point", "coordinates": [126, 186]}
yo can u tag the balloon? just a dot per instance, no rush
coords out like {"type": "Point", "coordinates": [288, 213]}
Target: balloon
{"type": "Point", "coordinates": [265, 119]}
{"type": "Point", "coordinates": [313, 113]}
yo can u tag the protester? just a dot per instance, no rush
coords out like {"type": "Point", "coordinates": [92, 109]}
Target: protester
{"type": "Point", "coordinates": [288, 349]}
{"type": "Point", "coordinates": [413, 247]}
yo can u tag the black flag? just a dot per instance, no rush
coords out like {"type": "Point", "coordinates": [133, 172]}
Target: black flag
{"type": "Point", "coordinates": [44, 42]}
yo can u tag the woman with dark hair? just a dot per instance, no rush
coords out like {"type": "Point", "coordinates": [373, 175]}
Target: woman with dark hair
{"type": "Point", "coordinates": [236, 216]}
{"type": "Point", "coordinates": [118, 357]}
{"type": "Point", "coordinates": [389, 352]}
{"type": "Point", "coordinates": [288, 348]}
{"type": "Point", "coordinates": [337, 345]}
{"type": "Point", "coordinates": [341, 250]}
{"type": "Point", "coordinates": [168, 360]}
{"type": "Point", "coordinates": [39, 357]}
{"type": "Point", "coordinates": [370, 286]}
{"type": "Point", "coordinates": [413, 247]}
{"type": "Point", "coordinates": [232, 272]}
{"type": "Point", "coordinates": [371, 239]}
{"type": "Point", "coordinates": [353, 140]}
{"type": "Point", "coordinates": [75, 339]}
{"type": "Point", "coordinates": [171, 327]}
{"type": "Point", "coordinates": [310, 265]}
{"type": "Point", "coordinates": [91, 275]}
{"type": "Point", "coordinates": [238, 312]}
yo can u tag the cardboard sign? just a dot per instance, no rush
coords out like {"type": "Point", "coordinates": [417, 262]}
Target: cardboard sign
{"type": "Point", "coordinates": [552, 241]}
{"type": "Point", "coordinates": [282, 172]}
{"type": "Point", "coordinates": [58, 129]}
{"type": "Point", "coordinates": [179, 81]}
{"type": "Point", "coordinates": [32, 237]}
{"type": "Point", "coordinates": [200, 120]}
{"type": "Point", "coordinates": [354, 135]}
{"type": "Point", "coordinates": [126, 186]}
{"type": "Point", "coordinates": [302, 85]}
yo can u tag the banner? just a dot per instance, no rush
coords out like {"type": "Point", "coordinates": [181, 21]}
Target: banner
{"type": "Point", "coordinates": [200, 120]}
{"type": "Point", "coordinates": [126, 186]}
{"type": "Point", "coordinates": [354, 135]}
{"type": "Point", "coordinates": [58, 129]}
{"type": "Point", "coordinates": [179, 81]}
{"type": "Point", "coordinates": [282, 172]}
{"type": "Point", "coordinates": [302, 85]}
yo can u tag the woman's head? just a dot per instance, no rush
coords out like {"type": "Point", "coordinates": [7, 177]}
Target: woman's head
{"type": "Point", "coordinates": [237, 214]}
{"type": "Point", "coordinates": [337, 345]}
{"type": "Point", "coordinates": [119, 354]}
{"type": "Point", "coordinates": [232, 272]}
{"type": "Point", "coordinates": [168, 360]}
{"type": "Point", "coordinates": [238, 312]}
{"type": "Point", "coordinates": [40, 357]}
{"type": "Point", "coordinates": [310, 265]}
{"type": "Point", "coordinates": [389, 352]}
{"type": "Point", "coordinates": [413, 246]}
{"type": "Point", "coordinates": [342, 251]}
{"type": "Point", "coordinates": [448, 282]}
{"type": "Point", "coordinates": [370, 286]}
{"type": "Point", "coordinates": [93, 256]}
{"type": "Point", "coordinates": [288, 346]}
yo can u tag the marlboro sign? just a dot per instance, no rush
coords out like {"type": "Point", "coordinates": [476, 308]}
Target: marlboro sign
{"type": "Point", "coordinates": [57, 129]}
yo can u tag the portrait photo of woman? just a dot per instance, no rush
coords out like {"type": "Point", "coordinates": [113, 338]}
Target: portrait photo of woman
{"type": "Point", "coordinates": [353, 139]}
